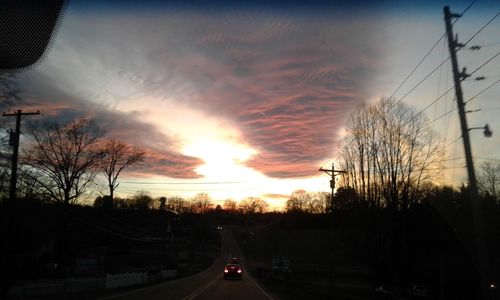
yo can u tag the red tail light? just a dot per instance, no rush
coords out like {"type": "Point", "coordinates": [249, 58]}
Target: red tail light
{"type": "Point", "coordinates": [239, 271]}
{"type": "Point", "coordinates": [225, 270]}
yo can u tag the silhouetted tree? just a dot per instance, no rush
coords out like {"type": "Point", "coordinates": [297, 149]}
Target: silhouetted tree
{"type": "Point", "coordinates": [201, 203]}
{"type": "Point", "coordinates": [28, 186]}
{"type": "Point", "coordinates": [303, 201]}
{"type": "Point", "coordinates": [489, 178]}
{"type": "Point", "coordinates": [120, 203]}
{"type": "Point", "coordinates": [116, 156]}
{"type": "Point", "coordinates": [177, 204]}
{"type": "Point", "coordinates": [389, 152]}
{"type": "Point", "coordinates": [141, 200]}
{"type": "Point", "coordinates": [298, 202]}
{"type": "Point", "coordinates": [319, 203]}
{"type": "Point", "coordinates": [345, 197]}
{"type": "Point", "coordinates": [253, 205]}
{"type": "Point", "coordinates": [230, 205]}
{"type": "Point", "coordinates": [64, 157]}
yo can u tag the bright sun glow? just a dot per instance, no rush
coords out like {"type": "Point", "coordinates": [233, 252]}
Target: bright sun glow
{"type": "Point", "coordinates": [222, 158]}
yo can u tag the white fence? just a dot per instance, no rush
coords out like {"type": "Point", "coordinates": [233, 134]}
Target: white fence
{"type": "Point", "coordinates": [55, 287]}
{"type": "Point", "coordinates": [125, 279]}
{"type": "Point", "coordinates": [168, 274]}
{"type": "Point", "coordinates": [83, 285]}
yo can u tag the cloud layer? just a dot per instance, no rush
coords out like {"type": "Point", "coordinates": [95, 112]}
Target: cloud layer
{"type": "Point", "coordinates": [286, 80]}
{"type": "Point", "coordinates": [161, 155]}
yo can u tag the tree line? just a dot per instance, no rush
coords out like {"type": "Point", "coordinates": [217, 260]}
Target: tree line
{"type": "Point", "coordinates": [60, 162]}
{"type": "Point", "coordinates": [201, 203]}
{"type": "Point", "coordinates": [393, 158]}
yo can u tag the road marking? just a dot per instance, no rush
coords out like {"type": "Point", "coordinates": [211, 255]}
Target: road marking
{"type": "Point", "coordinates": [243, 260]}
{"type": "Point", "coordinates": [260, 288]}
{"type": "Point", "coordinates": [199, 291]}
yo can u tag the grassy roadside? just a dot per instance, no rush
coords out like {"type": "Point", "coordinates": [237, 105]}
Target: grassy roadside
{"type": "Point", "coordinates": [308, 252]}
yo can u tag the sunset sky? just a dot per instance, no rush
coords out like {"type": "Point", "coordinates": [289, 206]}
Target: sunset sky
{"type": "Point", "coordinates": [250, 100]}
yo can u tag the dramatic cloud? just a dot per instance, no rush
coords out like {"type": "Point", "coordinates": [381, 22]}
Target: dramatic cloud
{"type": "Point", "coordinates": [161, 153]}
{"type": "Point", "coordinates": [288, 87]}
{"type": "Point", "coordinates": [286, 80]}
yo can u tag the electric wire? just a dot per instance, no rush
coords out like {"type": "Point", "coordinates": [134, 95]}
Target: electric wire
{"type": "Point", "coordinates": [482, 91]}
{"type": "Point", "coordinates": [426, 77]}
{"type": "Point", "coordinates": [484, 26]}
{"type": "Point", "coordinates": [417, 66]}
{"type": "Point", "coordinates": [452, 142]}
{"type": "Point", "coordinates": [422, 81]}
{"type": "Point", "coordinates": [485, 63]}
{"type": "Point", "coordinates": [428, 53]}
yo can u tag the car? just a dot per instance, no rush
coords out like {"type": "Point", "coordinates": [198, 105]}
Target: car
{"type": "Point", "coordinates": [235, 260]}
{"type": "Point", "coordinates": [219, 227]}
{"type": "Point", "coordinates": [233, 270]}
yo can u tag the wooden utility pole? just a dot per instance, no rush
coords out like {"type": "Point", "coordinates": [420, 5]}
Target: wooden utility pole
{"type": "Point", "coordinates": [458, 76]}
{"type": "Point", "coordinates": [8, 248]}
{"type": "Point", "coordinates": [14, 142]}
{"type": "Point", "coordinates": [332, 174]}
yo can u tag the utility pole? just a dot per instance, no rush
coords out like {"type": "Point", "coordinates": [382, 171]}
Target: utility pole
{"type": "Point", "coordinates": [14, 142]}
{"type": "Point", "coordinates": [332, 173]}
{"type": "Point", "coordinates": [8, 248]}
{"type": "Point", "coordinates": [458, 76]}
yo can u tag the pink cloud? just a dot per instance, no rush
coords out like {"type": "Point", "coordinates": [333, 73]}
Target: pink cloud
{"type": "Point", "coordinates": [288, 81]}
{"type": "Point", "coordinates": [290, 103]}
{"type": "Point", "coordinates": [166, 163]}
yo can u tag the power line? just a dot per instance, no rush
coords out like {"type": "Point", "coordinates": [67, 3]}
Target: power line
{"type": "Point", "coordinates": [131, 189]}
{"type": "Point", "coordinates": [490, 45]}
{"type": "Point", "coordinates": [485, 63]}
{"type": "Point", "coordinates": [482, 91]}
{"type": "Point", "coordinates": [184, 183]}
{"type": "Point", "coordinates": [446, 168]}
{"type": "Point", "coordinates": [452, 142]}
{"type": "Point", "coordinates": [428, 53]}
{"type": "Point", "coordinates": [491, 108]}
{"type": "Point", "coordinates": [425, 78]}
{"type": "Point", "coordinates": [449, 159]}
{"type": "Point", "coordinates": [418, 65]}
{"type": "Point", "coordinates": [103, 229]}
{"type": "Point", "coordinates": [465, 10]}
{"type": "Point", "coordinates": [422, 81]}
{"type": "Point", "coordinates": [432, 103]}
{"type": "Point", "coordinates": [440, 117]}
{"type": "Point", "coordinates": [487, 158]}
{"type": "Point", "coordinates": [484, 26]}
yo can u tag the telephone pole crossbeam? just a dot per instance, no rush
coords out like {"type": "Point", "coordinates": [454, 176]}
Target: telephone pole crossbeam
{"type": "Point", "coordinates": [333, 173]}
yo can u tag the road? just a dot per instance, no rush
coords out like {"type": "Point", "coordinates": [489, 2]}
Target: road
{"type": "Point", "coordinates": [208, 284]}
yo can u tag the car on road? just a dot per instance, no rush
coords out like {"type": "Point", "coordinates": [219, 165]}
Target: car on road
{"type": "Point", "coordinates": [235, 260]}
{"type": "Point", "coordinates": [233, 270]}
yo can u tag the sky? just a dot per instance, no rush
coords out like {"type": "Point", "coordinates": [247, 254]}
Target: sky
{"type": "Point", "coordinates": [251, 99]}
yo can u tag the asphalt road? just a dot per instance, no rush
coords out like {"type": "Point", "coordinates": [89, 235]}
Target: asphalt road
{"type": "Point", "coordinates": [208, 284]}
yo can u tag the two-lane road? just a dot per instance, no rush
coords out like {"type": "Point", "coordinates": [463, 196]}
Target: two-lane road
{"type": "Point", "coordinates": [208, 284]}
